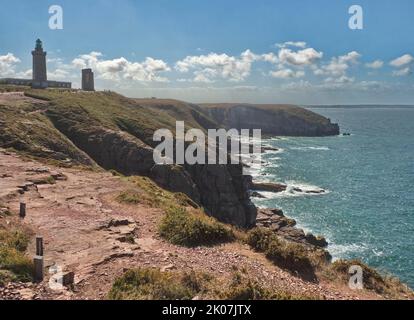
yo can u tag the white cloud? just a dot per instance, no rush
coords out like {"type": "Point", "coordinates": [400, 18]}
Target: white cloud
{"type": "Point", "coordinates": [303, 57]}
{"type": "Point", "coordinates": [24, 74]}
{"type": "Point", "coordinates": [341, 79]}
{"type": "Point", "coordinates": [402, 61]}
{"type": "Point", "coordinates": [58, 74]}
{"type": "Point", "coordinates": [287, 73]}
{"type": "Point", "coordinates": [338, 66]}
{"type": "Point", "coordinates": [116, 69]}
{"type": "Point", "coordinates": [377, 64]}
{"type": "Point", "coordinates": [7, 65]}
{"type": "Point", "coordinates": [297, 44]}
{"type": "Point", "coordinates": [402, 72]}
{"type": "Point", "coordinates": [213, 66]}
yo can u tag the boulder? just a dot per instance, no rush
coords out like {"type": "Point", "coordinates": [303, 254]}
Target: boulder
{"type": "Point", "coordinates": [317, 241]}
{"type": "Point", "coordinates": [255, 194]}
{"type": "Point", "coordinates": [268, 186]}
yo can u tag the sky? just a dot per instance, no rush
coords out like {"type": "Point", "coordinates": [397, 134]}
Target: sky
{"type": "Point", "coordinates": [261, 51]}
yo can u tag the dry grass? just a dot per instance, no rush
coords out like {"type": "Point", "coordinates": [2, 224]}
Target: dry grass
{"type": "Point", "coordinates": [151, 284]}
{"type": "Point", "coordinates": [183, 228]}
{"type": "Point", "coordinates": [14, 265]}
{"type": "Point", "coordinates": [287, 255]}
{"type": "Point", "coordinates": [385, 285]}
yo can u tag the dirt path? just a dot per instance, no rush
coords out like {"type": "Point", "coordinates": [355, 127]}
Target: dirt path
{"type": "Point", "coordinates": [86, 231]}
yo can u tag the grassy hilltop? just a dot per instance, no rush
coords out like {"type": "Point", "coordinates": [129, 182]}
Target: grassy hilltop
{"type": "Point", "coordinates": [36, 125]}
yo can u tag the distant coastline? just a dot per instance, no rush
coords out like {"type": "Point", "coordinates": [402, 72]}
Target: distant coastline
{"type": "Point", "coordinates": [355, 106]}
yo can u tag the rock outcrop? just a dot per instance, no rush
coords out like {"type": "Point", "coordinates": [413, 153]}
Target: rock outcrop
{"type": "Point", "coordinates": [268, 186]}
{"type": "Point", "coordinates": [220, 189]}
{"type": "Point", "coordinates": [277, 120]}
{"type": "Point", "coordinates": [275, 220]}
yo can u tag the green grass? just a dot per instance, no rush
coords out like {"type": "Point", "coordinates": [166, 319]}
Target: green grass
{"type": "Point", "coordinates": [183, 228]}
{"type": "Point", "coordinates": [152, 284]}
{"type": "Point", "coordinates": [146, 192]}
{"type": "Point", "coordinates": [179, 226]}
{"type": "Point", "coordinates": [372, 279]}
{"type": "Point", "coordinates": [14, 265]}
{"type": "Point", "coordinates": [287, 255]}
{"type": "Point", "coordinates": [242, 287]}
{"type": "Point", "coordinates": [55, 124]}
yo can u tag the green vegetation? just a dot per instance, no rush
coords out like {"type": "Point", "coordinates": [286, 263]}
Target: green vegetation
{"type": "Point", "coordinates": [179, 225]}
{"type": "Point", "coordinates": [151, 284]}
{"type": "Point", "coordinates": [146, 192]}
{"type": "Point", "coordinates": [372, 279]}
{"type": "Point", "coordinates": [288, 255]}
{"type": "Point", "coordinates": [183, 228]}
{"type": "Point", "coordinates": [55, 123]}
{"type": "Point", "coordinates": [244, 288]}
{"type": "Point", "coordinates": [14, 265]}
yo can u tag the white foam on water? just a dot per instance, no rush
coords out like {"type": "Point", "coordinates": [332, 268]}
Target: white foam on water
{"type": "Point", "coordinates": [305, 190]}
{"type": "Point", "coordinates": [316, 148]}
{"type": "Point", "coordinates": [274, 159]}
{"type": "Point", "coordinates": [339, 251]}
{"type": "Point", "coordinates": [278, 151]}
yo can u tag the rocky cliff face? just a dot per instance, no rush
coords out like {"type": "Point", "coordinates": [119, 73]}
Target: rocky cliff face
{"type": "Point", "coordinates": [116, 133]}
{"type": "Point", "coordinates": [222, 190]}
{"type": "Point", "coordinates": [279, 120]}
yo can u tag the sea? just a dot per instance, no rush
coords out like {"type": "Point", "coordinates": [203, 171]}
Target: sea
{"type": "Point", "coordinates": [367, 209]}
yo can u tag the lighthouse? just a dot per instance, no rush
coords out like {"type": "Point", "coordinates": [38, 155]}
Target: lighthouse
{"type": "Point", "coordinates": [39, 67]}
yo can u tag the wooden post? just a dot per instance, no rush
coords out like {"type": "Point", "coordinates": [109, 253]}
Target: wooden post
{"type": "Point", "coordinates": [38, 268]}
{"type": "Point", "coordinates": [39, 246]}
{"type": "Point", "coordinates": [22, 213]}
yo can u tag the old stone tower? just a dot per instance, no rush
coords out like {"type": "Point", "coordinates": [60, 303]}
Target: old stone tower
{"type": "Point", "coordinates": [88, 83]}
{"type": "Point", "coordinates": [39, 67]}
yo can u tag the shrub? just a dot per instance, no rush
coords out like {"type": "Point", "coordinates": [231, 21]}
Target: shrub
{"type": "Point", "coordinates": [287, 255]}
{"type": "Point", "coordinates": [190, 229]}
{"type": "Point", "coordinates": [151, 284]}
{"type": "Point", "coordinates": [6, 276]}
{"type": "Point", "coordinates": [16, 262]}
{"type": "Point", "coordinates": [15, 239]}
{"type": "Point", "coordinates": [130, 197]}
{"type": "Point", "coordinates": [14, 265]}
{"type": "Point", "coordinates": [244, 288]}
{"type": "Point", "coordinates": [372, 279]}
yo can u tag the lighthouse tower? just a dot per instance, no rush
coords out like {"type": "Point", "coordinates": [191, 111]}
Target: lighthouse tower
{"type": "Point", "coordinates": [87, 80]}
{"type": "Point", "coordinates": [39, 67]}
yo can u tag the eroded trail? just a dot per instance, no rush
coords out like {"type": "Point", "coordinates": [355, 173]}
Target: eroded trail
{"type": "Point", "coordinates": [86, 231]}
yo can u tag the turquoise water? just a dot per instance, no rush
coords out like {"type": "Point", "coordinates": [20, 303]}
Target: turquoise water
{"type": "Point", "coordinates": [368, 212]}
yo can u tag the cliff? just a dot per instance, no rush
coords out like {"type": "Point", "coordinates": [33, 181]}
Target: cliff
{"type": "Point", "coordinates": [105, 129]}
{"type": "Point", "coordinates": [278, 120]}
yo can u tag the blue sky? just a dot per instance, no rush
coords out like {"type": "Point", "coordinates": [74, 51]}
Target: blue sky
{"type": "Point", "coordinates": [208, 51]}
